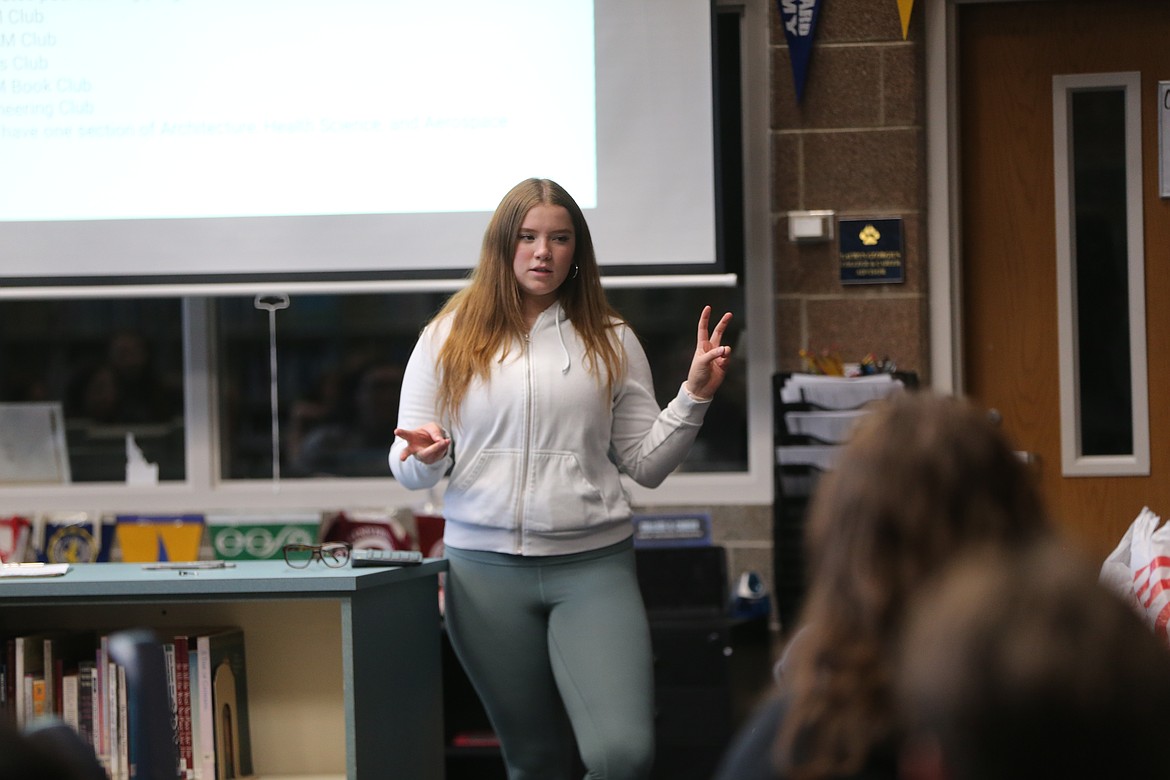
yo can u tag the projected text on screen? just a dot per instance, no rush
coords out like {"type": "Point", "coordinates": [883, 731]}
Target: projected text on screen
{"type": "Point", "coordinates": [214, 141]}
{"type": "Point", "coordinates": [212, 108]}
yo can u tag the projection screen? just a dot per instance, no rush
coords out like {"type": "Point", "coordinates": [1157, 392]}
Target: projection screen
{"type": "Point", "coordinates": [197, 141]}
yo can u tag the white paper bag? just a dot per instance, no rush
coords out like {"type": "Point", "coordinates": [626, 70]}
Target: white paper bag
{"type": "Point", "coordinates": [1143, 556]}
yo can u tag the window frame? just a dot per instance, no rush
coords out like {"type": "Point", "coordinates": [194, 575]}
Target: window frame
{"type": "Point", "coordinates": [1074, 463]}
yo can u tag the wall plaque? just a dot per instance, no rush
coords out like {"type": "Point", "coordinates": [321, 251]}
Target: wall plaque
{"type": "Point", "coordinates": [871, 251]}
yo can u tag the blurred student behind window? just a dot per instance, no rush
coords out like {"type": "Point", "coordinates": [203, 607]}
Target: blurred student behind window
{"type": "Point", "coordinates": [320, 338]}
{"type": "Point", "coordinates": [51, 349]}
{"type": "Point", "coordinates": [125, 386]}
{"type": "Point", "coordinates": [115, 366]}
{"type": "Point", "coordinates": [355, 439]}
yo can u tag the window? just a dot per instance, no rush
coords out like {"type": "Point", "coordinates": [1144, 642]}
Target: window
{"type": "Point", "coordinates": [1100, 275]}
{"type": "Point", "coordinates": [116, 368]}
{"type": "Point", "coordinates": [339, 366]}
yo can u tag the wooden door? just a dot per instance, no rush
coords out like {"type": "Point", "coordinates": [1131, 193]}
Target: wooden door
{"type": "Point", "coordinates": [1008, 55]}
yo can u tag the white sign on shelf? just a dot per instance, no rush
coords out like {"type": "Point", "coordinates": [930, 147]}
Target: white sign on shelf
{"type": "Point", "coordinates": [32, 444]}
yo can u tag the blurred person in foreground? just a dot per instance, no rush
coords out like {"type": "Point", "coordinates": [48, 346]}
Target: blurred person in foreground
{"type": "Point", "coordinates": [923, 478]}
{"type": "Point", "coordinates": [1024, 666]}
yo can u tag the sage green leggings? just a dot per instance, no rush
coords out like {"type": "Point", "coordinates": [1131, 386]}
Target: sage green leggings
{"type": "Point", "coordinates": [545, 637]}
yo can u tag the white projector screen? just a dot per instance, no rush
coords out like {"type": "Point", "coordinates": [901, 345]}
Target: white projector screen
{"type": "Point", "coordinates": [225, 140]}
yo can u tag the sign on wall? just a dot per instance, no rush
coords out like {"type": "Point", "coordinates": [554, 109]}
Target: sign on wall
{"type": "Point", "coordinates": [871, 251]}
{"type": "Point", "coordinates": [1164, 138]}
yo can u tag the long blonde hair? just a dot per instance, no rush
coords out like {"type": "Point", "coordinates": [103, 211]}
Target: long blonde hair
{"type": "Point", "coordinates": [488, 316]}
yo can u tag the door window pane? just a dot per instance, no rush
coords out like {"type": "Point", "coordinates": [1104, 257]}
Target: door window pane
{"type": "Point", "coordinates": [1102, 267]}
{"type": "Point", "coordinates": [1100, 274]}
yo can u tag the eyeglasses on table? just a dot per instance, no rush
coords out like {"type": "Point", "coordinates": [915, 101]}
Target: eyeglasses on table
{"type": "Point", "coordinates": [332, 554]}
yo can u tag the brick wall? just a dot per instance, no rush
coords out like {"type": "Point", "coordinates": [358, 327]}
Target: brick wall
{"type": "Point", "coordinates": [855, 144]}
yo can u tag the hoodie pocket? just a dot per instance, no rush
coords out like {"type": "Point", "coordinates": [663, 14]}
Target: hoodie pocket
{"type": "Point", "coordinates": [486, 493]}
{"type": "Point", "coordinates": [561, 496]}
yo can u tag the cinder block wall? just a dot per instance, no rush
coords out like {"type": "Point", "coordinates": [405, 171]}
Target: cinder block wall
{"type": "Point", "coordinates": [855, 144]}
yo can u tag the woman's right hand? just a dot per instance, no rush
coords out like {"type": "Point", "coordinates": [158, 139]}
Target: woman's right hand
{"type": "Point", "coordinates": [429, 443]}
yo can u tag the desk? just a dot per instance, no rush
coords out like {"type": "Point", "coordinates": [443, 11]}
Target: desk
{"type": "Point", "coordinates": [344, 673]}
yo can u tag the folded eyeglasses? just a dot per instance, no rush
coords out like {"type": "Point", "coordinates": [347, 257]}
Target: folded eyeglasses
{"type": "Point", "coordinates": [332, 554]}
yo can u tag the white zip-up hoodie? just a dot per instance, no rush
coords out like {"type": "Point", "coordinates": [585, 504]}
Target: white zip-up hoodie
{"type": "Point", "coordinates": [538, 448]}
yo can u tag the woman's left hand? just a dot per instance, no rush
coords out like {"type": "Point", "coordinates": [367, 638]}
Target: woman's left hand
{"type": "Point", "coordinates": [709, 366]}
{"type": "Point", "coordinates": [429, 443]}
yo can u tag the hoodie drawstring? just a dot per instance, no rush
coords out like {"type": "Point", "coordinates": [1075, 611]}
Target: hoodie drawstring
{"type": "Point", "coordinates": [561, 338]}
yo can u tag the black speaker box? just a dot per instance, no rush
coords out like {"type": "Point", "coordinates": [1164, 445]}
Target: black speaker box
{"type": "Point", "coordinates": [683, 579]}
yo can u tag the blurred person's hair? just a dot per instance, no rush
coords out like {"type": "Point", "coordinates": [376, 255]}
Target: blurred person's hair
{"type": "Point", "coordinates": [1024, 666]}
{"type": "Point", "coordinates": [923, 477]}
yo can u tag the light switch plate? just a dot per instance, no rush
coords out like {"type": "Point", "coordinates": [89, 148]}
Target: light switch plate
{"type": "Point", "coordinates": [810, 226]}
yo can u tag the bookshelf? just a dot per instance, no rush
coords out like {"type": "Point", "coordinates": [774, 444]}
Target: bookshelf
{"type": "Point", "coordinates": [344, 672]}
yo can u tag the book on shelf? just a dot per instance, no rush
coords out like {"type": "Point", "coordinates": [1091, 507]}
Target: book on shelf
{"type": "Point", "coordinates": [112, 754]}
{"type": "Point", "coordinates": [29, 668]}
{"type": "Point", "coordinates": [52, 671]}
{"type": "Point", "coordinates": [210, 716]}
{"type": "Point", "coordinates": [202, 710]}
{"type": "Point", "coordinates": [168, 653]}
{"type": "Point", "coordinates": [172, 673]}
{"type": "Point", "coordinates": [121, 737]}
{"type": "Point", "coordinates": [101, 733]}
{"type": "Point", "coordinates": [70, 700]}
{"type": "Point", "coordinates": [183, 702]}
{"type": "Point", "coordinates": [36, 664]}
{"type": "Point", "coordinates": [8, 692]}
{"type": "Point", "coordinates": [485, 738]}
{"type": "Point", "coordinates": [63, 653]}
{"type": "Point", "coordinates": [198, 768]}
{"type": "Point", "coordinates": [224, 729]}
{"type": "Point", "coordinates": [74, 676]}
{"type": "Point", "coordinates": [37, 696]}
{"type": "Point", "coordinates": [86, 701]}
{"type": "Point", "coordinates": [196, 758]}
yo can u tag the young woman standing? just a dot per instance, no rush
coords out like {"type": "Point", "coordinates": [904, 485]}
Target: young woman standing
{"type": "Point", "coordinates": [536, 396]}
